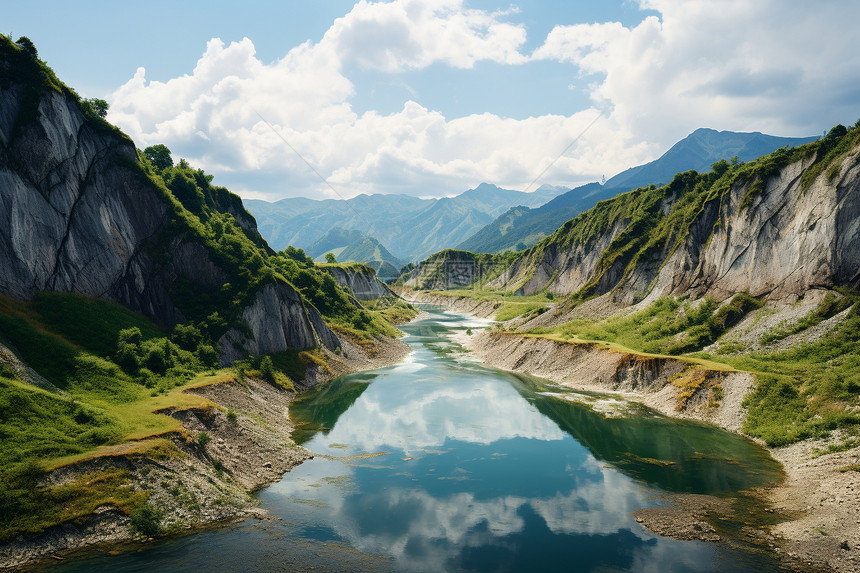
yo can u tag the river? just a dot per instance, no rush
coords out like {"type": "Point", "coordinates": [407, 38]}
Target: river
{"type": "Point", "coordinates": [441, 464]}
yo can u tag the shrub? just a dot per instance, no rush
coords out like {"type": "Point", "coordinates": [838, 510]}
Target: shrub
{"type": "Point", "coordinates": [146, 520]}
{"type": "Point", "coordinates": [267, 369]}
{"type": "Point", "coordinates": [203, 439]}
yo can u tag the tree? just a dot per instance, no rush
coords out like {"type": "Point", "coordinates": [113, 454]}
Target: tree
{"type": "Point", "coordinates": [28, 46]}
{"type": "Point", "coordinates": [837, 132]}
{"type": "Point", "coordinates": [99, 106]}
{"type": "Point", "coordinates": [330, 258]}
{"type": "Point", "coordinates": [267, 369]}
{"type": "Point", "coordinates": [159, 156]}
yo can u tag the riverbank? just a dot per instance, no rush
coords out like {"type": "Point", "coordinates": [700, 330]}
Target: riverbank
{"type": "Point", "coordinates": [236, 442]}
{"type": "Point", "coordinates": [820, 497]}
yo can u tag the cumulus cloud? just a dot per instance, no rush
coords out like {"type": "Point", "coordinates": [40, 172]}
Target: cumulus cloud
{"type": "Point", "coordinates": [778, 66]}
{"type": "Point", "coordinates": [212, 116]}
{"type": "Point", "coordinates": [416, 33]}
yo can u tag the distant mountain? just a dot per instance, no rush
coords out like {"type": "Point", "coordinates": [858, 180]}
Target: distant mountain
{"type": "Point", "coordinates": [354, 246]}
{"type": "Point", "coordinates": [698, 151]}
{"type": "Point", "coordinates": [412, 227]}
{"type": "Point", "coordinates": [520, 227]}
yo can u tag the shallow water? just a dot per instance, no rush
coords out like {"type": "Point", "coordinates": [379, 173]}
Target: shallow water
{"type": "Point", "coordinates": [440, 464]}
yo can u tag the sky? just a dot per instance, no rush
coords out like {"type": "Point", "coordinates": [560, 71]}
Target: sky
{"type": "Point", "coordinates": [432, 97]}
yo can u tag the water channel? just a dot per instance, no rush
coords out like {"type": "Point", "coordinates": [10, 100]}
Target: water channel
{"type": "Point", "coordinates": [441, 464]}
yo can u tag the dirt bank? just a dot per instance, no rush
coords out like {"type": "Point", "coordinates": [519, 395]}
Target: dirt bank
{"type": "Point", "coordinates": [205, 473]}
{"type": "Point", "coordinates": [821, 502]}
{"type": "Point", "coordinates": [479, 308]}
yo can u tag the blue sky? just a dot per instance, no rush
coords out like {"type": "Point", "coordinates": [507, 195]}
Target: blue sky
{"type": "Point", "coordinates": [432, 98]}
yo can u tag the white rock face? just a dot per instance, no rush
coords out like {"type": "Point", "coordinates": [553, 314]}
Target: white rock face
{"type": "Point", "coordinates": [77, 216]}
{"type": "Point", "coordinates": [72, 217]}
{"type": "Point", "coordinates": [786, 242]}
{"type": "Point", "coordinates": [278, 320]}
{"type": "Point", "coordinates": [363, 284]}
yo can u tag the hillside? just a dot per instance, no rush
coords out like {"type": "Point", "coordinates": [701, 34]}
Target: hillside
{"type": "Point", "coordinates": [753, 266]}
{"type": "Point", "coordinates": [772, 227]}
{"type": "Point", "coordinates": [126, 282]}
{"type": "Point", "coordinates": [413, 228]}
{"type": "Point", "coordinates": [355, 246]}
{"type": "Point", "coordinates": [520, 228]}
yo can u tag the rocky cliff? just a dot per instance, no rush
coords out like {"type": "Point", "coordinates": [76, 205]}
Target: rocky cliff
{"type": "Point", "coordinates": [360, 279]}
{"type": "Point", "coordinates": [79, 214]}
{"type": "Point", "coordinates": [776, 227]}
{"type": "Point", "coordinates": [453, 269]}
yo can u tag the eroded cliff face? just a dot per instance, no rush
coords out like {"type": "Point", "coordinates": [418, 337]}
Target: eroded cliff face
{"type": "Point", "coordinates": [559, 269]}
{"type": "Point", "coordinates": [777, 243]}
{"type": "Point", "coordinates": [276, 320]}
{"type": "Point", "coordinates": [73, 217]}
{"type": "Point", "coordinates": [785, 243]}
{"type": "Point", "coordinates": [77, 215]}
{"type": "Point", "coordinates": [361, 281]}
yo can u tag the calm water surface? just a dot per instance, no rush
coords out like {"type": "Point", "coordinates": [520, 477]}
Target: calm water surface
{"type": "Point", "coordinates": [440, 464]}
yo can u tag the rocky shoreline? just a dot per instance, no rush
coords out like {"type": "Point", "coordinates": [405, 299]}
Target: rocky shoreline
{"type": "Point", "coordinates": [821, 501]}
{"type": "Point", "coordinates": [198, 483]}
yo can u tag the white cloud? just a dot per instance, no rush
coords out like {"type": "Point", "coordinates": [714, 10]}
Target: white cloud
{"type": "Point", "coordinates": [778, 66]}
{"type": "Point", "coordinates": [210, 115]}
{"type": "Point", "coordinates": [416, 33]}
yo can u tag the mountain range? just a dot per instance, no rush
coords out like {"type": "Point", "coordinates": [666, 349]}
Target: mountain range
{"type": "Point", "coordinates": [410, 227]}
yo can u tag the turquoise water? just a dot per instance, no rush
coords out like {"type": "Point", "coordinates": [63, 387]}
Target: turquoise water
{"type": "Point", "coordinates": [440, 464]}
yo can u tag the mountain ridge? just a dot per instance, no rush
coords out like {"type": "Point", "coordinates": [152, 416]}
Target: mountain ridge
{"type": "Point", "coordinates": [412, 227]}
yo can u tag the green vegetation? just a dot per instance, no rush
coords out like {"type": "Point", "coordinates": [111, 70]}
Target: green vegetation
{"type": "Point", "coordinates": [95, 106]}
{"type": "Point", "coordinates": [26, 508]}
{"type": "Point", "coordinates": [146, 520]}
{"type": "Point", "coordinates": [803, 392]}
{"type": "Point", "coordinates": [510, 310]}
{"type": "Point", "coordinates": [667, 326]}
{"type": "Point", "coordinates": [828, 307]}
{"type": "Point", "coordinates": [394, 310]}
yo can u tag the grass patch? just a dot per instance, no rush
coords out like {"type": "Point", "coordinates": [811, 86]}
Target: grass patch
{"type": "Point", "coordinates": [667, 326]}
{"type": "Point", "coordinates": [87, 322]}
{"type": "Point", "coordinates": [27, 508]}
{"type": "Point", "coordinates": [395, 311]}
{"type": "Point", "coordinates": [510, 310]}
{"type": "Point", "coordinates": [830, 305]}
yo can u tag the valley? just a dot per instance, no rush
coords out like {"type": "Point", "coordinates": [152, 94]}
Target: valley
{"type": "Point", "coordinates": [655, 372]}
